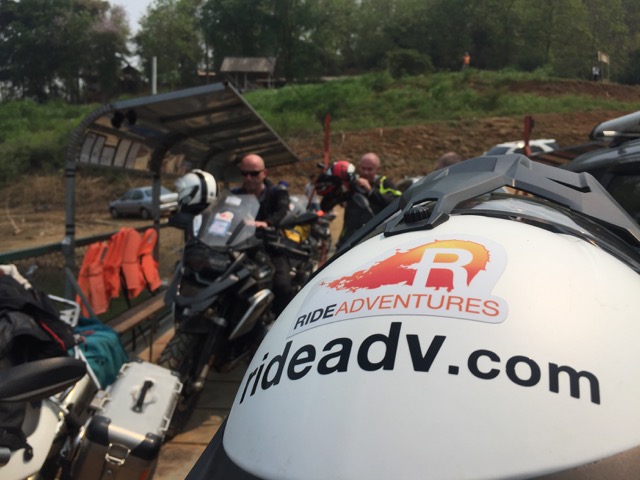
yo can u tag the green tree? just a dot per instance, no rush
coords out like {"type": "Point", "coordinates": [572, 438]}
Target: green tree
{"type": "Point", "coordinates": [107, 49]}
{"type": "Point", "coordinates": [372, 35]}
{"type": "Point", "coordinates": [30, 46]}
{"type": "Point", "coordinates": [308, 38]}
{"type": "Point", "coordinates": [630, 66]}
{"type": "Point", "coordinates": [238, 28]}
{"type": "Point", "coordinates": [554, 35]}
{"type": "Point", "coordinates": [48, 47]}
{"type": "Point", "coordinates": [609, 33]}
{"type": "Point", "coordinates": [447, 32]}
{"type": "Point", "coordinates": [327, 46]}
{"type": "Point", "coordinates": [286, 25]}
{"type": "Point", "coordinates": [170, 31]}
{"type": "Point", "coordinates": [407, 26]}
{"type": "Point", "coordinates": [493, 32]}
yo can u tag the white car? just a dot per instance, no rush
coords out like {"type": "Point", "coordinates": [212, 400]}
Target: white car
{"type": "Point", "coordinates": [537, 146]}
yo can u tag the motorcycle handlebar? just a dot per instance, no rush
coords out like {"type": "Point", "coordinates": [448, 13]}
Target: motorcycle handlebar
{"type": "Point", "coordinates": [275, 241]}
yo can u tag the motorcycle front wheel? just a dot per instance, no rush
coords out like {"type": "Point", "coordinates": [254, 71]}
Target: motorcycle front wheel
{"type": "Point", "coordinates": [181, 355]}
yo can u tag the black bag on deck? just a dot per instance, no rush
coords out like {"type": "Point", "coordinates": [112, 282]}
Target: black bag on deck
{"type": "Point", "coordinates": [30, 329]}
{"type": "Point", "coordinates": [30, 325]}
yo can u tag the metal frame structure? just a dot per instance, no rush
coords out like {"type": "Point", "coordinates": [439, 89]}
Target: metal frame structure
{"type": "Point", "coordinates": [209, 127]}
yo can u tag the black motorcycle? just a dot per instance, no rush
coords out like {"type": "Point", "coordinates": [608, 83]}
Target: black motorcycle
{"type": "Point", "coordinates": [315, 234]}
{"type": "Point", "coordinates": [222, 293]}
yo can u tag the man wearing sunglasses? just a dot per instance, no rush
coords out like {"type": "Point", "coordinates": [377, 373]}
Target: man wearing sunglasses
{"type": "Point", "coordinates": [274, 205]}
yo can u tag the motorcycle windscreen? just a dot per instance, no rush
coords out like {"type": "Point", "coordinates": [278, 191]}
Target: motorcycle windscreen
{"type": "Point", "coordinates": [230, 221]}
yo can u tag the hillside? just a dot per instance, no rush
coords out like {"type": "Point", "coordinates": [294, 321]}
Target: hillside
{"type": "Point", "coordinates": [409, 151]}
{"type": "Point", "coordinates": [33, 209]}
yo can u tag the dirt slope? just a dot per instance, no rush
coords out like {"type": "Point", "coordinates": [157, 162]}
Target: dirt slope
{"type": "Point", "coordinates": [32, 212]}
{"type": "Point", "coordinates": [412, 151]}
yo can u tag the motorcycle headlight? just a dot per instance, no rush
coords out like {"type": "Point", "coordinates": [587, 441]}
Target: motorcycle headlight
{"type": "Point", "coordinates": [218, 262]}
{"type": "Point", "coordinates": [200, 259]}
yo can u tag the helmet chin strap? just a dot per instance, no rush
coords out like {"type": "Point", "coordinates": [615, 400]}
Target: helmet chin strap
{"type": "Point", "coordinates": [203, 184]}
{"type": "Point", "coordinates": [186, 200]}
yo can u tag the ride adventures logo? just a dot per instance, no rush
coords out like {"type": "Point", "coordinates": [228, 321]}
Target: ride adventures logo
{"type": "Point", "coordinates": [447, 277]}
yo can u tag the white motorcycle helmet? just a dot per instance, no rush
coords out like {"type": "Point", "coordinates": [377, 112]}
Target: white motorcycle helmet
{"type": "Point", "coordinates": [196, 190]}
{"type": "Point", "coordinates": [463, 333]}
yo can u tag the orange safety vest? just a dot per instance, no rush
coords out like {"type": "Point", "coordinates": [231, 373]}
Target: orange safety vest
{"type": "Point", "coordinates": [91, 280]}
{"type": "Point", "coordinates": [148, 264]}
{"type": "Point", "coordinates": [113, 262]}
{"type": "Point", "coordinates": [132, 273]}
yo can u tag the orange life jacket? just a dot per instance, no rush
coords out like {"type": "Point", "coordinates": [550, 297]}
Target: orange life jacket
{"type": "Point", "coordinates": [91, 280]}
{"type": "Point", "coordinates": [148, 264]}
{"type": "Point", "coordinates": [113, 262]}
{"type": "Point", "coordinates": [132, 273]}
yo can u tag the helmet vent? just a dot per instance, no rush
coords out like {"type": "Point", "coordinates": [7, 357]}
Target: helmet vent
{"type": "Point", "coordinates": [417, 214]}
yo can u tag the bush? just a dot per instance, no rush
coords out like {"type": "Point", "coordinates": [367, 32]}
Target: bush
{"type": "Point", "coordinates": [405, 62]}
{"type": "Point", "coordinates": [377, 82]}
{"type": "Point", "coordinates": [35, 137]}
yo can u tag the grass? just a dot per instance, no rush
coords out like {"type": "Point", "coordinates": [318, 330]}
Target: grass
{"type": "Point", "coordinates": [377, 100]}
{"type": "Point", "coordinates": [34, 138]}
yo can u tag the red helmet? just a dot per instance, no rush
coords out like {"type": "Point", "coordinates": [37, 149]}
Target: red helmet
{"type": "Point", "coordinates": [339, 175]}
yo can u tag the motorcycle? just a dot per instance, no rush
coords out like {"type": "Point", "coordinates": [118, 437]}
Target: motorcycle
{"type": "Point", "coordinates": [50, 397]}
{"type": "Point", "coordinates": [321, 237]}
{"type": "Point", "coordinates": [317, 232]}
{"type": "Point", "coordinates": [221, 292]}
{"type": "Point", "coordinates": [63, 408]}
{"type": "Point", "coordinates": [37, 384]}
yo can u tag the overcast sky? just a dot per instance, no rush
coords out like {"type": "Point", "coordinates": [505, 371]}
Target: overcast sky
{"type": "Point", "coordinates": [135, 10]}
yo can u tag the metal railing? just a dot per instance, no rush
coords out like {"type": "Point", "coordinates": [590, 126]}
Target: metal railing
{"type": "Point", "coordinates": [22, 254]}
{"type": "Point", "coordinates": [52, 280]}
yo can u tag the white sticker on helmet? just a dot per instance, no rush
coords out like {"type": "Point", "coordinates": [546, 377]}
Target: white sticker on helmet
{"type": "Point", "coordinates": [447, 277]}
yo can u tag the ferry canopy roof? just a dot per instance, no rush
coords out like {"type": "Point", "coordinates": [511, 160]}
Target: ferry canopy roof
{"type": "Point", "coordinates": [209, 127]}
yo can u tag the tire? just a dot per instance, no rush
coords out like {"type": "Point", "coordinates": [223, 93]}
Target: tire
{"type": "Point", "coordinates": [180, 355]}
{"type": "Point", "coordinates": [145, 214]}
{"type": "Point", "coordinates": [114, 213]}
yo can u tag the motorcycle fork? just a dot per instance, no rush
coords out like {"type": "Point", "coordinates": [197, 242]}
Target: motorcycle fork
{"type": "Point", "coordinates": [207, 358]}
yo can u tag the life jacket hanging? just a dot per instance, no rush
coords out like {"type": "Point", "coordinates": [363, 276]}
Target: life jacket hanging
{"type": "Point", "coordinates": [148, 264]}
{"type": "Point", "coordinates": [132, 273]}
{"type": "Point", "coordinates": [113, 263]}
{"type": "Point", "coordinates": [91, 280]}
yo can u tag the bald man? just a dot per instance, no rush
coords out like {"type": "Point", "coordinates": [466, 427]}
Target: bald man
{"type": "Point", "coordinates": [274, 205]}
{"type": "Point", "coordinates": [378, 190]}
{"type": "Point", "coordinates": [274, 201]}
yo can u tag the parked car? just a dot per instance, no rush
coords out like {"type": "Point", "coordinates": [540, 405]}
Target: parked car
{"type": "Point", "coordinates": [536, 146]}
{"type": "Point", "coordinates": [617, 164]}
{"type": "Point", "coordinates": [617, 168]}
{"type": "Point", "coordinates": [136, 202]}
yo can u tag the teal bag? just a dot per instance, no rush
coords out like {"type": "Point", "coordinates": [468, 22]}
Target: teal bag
{"type": "Point", "coordinates": [102, 349]}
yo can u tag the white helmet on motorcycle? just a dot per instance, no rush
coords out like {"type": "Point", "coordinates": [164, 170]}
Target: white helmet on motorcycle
{"type": "Point", "coordinates": [469, 334]}
{"type": "Point", "coordinates": [196, 190]}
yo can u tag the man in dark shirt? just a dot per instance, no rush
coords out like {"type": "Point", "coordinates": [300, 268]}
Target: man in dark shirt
{"type": "Point", "coordinates": [274, 205]}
